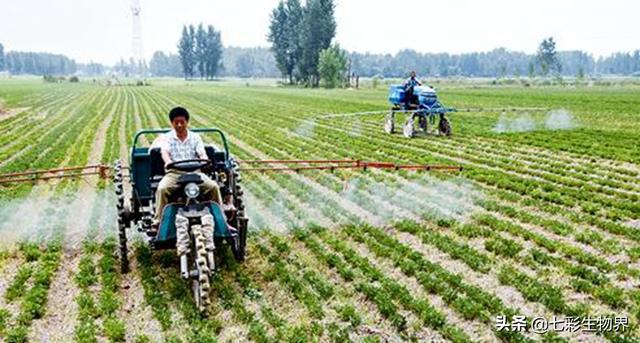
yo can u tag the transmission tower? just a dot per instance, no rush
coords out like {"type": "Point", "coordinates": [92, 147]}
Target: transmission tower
{"type": "Point", "coordinates": [137, 51]}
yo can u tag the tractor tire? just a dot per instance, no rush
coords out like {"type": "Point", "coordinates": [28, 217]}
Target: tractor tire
{"type": "Point", "coordinates": [123, 217]}
{"type": "Point", "coordinates": [201, 283]}
{"type": "Point", "coordinates": [444, 127]}
{"type": "Point", "coordinates": [389, 123]}
{"type": "Point", "coordinates": [239, 244]}
{"type": "Point", "coordinates": [408, 130]}
{"type": "Point", "coordinates": [241, 223]}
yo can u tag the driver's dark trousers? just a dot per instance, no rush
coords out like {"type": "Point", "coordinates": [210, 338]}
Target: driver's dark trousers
{"type": "Point", "coordinates": [169, 183]}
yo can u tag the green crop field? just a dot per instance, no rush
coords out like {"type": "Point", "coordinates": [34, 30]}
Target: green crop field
{"type": "Point", "coordinates": [543, 222]}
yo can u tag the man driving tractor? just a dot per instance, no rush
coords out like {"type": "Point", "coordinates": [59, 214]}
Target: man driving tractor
{"type": "Point", "coordinates": [409, 85]}
{"type": "Point", "coordinates": [180, 144]}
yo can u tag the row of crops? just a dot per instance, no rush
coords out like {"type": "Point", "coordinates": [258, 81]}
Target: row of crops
{"type": "Point", "coordinates": [535, 226]}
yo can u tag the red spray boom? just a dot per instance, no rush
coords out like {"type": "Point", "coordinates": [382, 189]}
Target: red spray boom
{"type": "Point", "coordinates": [263, 166]}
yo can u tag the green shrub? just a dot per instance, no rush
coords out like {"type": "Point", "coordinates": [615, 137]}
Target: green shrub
{"type": "Point", "coordinates": [17, 334]}
{"type": "Point", "coordinates": [114, 330]}
{"type": "Point", "coordinates": [348, 313]}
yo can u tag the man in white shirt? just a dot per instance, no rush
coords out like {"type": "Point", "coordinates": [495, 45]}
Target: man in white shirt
{"type": "Point", "coordinates": [181, 144]}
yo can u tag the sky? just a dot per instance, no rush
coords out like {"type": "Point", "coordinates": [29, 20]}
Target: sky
{"type": "Point", "coordinates": [101, 30]}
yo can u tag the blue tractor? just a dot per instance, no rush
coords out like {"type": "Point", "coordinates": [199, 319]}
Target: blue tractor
{"type": "Point", "coordinates": [195, 227]}
{"type": "Point", "coordinates": [423, 107]}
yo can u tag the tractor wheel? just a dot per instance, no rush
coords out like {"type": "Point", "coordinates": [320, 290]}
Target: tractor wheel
{"type": "Point", "coordinates": [239, 244]}
{"type": "Point", "coordinates": [241, 223]}
{"type": "Point", "coordinates": [389, 123]}
{"type": "Point", "coordinates": [201, 284]}
{"type": "Point", "coordinates": [408, 129]}
{"type": "Point", "coordinates": [123, 217]}
{"type": "Point", "coordinates": [444, 127]}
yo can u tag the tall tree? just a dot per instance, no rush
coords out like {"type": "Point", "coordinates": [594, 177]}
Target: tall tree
{"type": "Point", "coordinates": [317, 30]}
{"type": "Point", "coordinates": [285, 35]}
{"type": "Point", "coordinates": [201, 40]}
{"type": "Point", "coordinates": [278, 29]}
{"type": "Point", "coordinates": [213, 52]}
{"type": "Point", "coordinates": [2, 63]}
{"type": "Point", "coordinates": [295, 18]}
{"type": "Point", "coordinates": [186, 51]}
{"type": "Point", "coordinates": [547, 57]}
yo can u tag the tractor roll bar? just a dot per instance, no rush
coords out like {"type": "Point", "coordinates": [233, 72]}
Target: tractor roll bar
{"type": "Point", "coordinates": [210, 129]}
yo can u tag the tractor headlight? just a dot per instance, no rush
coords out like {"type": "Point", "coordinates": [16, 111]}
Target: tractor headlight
{"type": "Point", "coordinates": [191, 190]}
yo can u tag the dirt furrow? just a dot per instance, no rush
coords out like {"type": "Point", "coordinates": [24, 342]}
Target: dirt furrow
{"type": "Point", "coordinates": [7, 273]}
{"type": "Point", "coordinates": [58, 323]}
{"type": "Point", "coordinates": [136, 313]}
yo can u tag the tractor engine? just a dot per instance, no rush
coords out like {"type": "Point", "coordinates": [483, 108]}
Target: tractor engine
{"type": "Point", "coordinates": [426, 95]}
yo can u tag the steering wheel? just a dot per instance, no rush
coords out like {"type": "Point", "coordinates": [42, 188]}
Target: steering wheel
{"type": "Point", "coordinates": [189, 165]}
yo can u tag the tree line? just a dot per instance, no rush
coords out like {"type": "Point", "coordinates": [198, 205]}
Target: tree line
{"type": "Point", "coordinates": [200, 50]}
{"type": "Point", "coordinates": [162, 64]}
{"type": "Point", "coordinates": [249, 62]}
{"type": "Point", "coordinates": [495, 63]}
{"type": "Point", "coordinates": [36, 63]}
{"type": "Point", "coordinates": [261, 62]}
{"type": "Point", "coordinates": [620, 63]}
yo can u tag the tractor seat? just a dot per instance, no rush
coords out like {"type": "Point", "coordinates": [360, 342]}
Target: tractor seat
{"type": "Point", "coordinates": [157, 168]}
{"type": "Point", "coordinates": [157, 164]}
